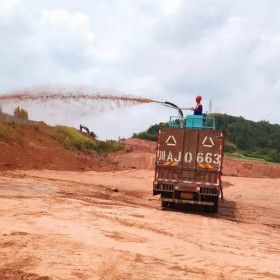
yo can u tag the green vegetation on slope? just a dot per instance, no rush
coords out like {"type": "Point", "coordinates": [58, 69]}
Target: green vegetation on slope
{"type": "Point", "coordinates": [151, 133]}
{"type": "Point", "coordinates": [20, 113]}
{"type": "Point", "coordinates": [8, 131]}
{"type": "Point", "coordinates": [72, 139]}
{"type": "Point", "coordinates": [244, 138]}
{"type": "Point", "coordinates": [254, 139]}
{"type": "Point", "coordinates": [69, 138]}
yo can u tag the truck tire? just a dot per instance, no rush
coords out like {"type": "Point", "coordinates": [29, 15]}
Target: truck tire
{"type": "Point", "coordinates": [171, 204]}
{"type": "Point", "coordinates": [216, 205]}
{"type": "Point", "coordinates": [164, 204]}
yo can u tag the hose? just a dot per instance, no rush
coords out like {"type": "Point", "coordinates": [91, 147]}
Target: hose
{"type": "Point", "coordinates": [175, 107]}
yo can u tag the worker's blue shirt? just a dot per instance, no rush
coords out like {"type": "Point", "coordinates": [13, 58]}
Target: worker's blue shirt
{"type": "Point", "coordinates": [198, 110]}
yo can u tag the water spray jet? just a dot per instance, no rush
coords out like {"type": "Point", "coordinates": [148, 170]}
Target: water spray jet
{"type": "Point", "coordinates": [76, 96]}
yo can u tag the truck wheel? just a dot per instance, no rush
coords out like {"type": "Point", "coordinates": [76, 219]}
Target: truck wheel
{"type": "Point", "coordinates": [164, 203]}
{"type": "Point", "coordinates": [216, 205]}
{"type": "Point", "coordinates": [172, 204]}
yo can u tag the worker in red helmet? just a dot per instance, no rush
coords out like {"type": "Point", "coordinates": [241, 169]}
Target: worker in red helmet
{"type": "Point", "coordinates": [197, 110]}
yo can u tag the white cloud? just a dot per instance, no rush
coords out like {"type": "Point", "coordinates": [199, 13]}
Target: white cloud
{"type": "Point", "coordinates": [68, 38]}
{"type": "Point", "coordinates": [8, 9]}
{"type": "Point", "coordinates": [171, 7]}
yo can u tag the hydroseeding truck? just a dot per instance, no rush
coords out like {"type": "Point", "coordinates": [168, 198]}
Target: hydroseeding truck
{"type": "Point", "coordinates": [189, 161]}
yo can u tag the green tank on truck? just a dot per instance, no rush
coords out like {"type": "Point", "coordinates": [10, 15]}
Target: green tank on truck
{"type": "Point", "coordinates": [189, 162]}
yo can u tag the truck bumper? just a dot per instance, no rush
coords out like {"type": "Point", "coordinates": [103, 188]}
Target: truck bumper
{"type": "Point", "coordinates": [185, 201]}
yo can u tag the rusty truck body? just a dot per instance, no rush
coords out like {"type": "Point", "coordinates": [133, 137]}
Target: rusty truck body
{"type": "Point", "coordinates": [189, 162]}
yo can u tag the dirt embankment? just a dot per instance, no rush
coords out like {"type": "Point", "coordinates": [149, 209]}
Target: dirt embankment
{"type": "Point", "coordinates": [37, 149]}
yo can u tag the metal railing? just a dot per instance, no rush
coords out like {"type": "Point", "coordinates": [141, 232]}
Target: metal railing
{"type": "Point", "coordinates": [192, 121]}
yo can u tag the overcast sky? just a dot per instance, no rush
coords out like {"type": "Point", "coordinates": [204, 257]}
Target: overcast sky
{"type": "Point", "coordinates": [170, 50]}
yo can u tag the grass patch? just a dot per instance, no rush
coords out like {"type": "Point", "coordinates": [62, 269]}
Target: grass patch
{"type": "Point", "coordinates": [9, 131]}
{"type": "Point", "coordinates": [106, 148]}
{"type": "Point", "coordinates": [265, 155]}
{"type": "Point", "coordinates": [240, 156]}
{"type": "Point", "coordinates": [71, 138]}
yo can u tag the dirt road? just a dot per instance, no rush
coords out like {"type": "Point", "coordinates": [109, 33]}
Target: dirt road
{"type": "Point", "coordinates": [89, 225]}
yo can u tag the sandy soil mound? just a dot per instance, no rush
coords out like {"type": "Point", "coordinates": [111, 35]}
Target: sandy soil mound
{"type": "Point", "coordinates": [138, 153]}
{"type": "Point", "coordinates": [37, 149]}
{"type": "Point", "coordinates": [251, 169]}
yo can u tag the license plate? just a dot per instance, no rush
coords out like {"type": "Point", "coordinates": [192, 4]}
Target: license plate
{"type": "Point", "coordinates": [186, 195]}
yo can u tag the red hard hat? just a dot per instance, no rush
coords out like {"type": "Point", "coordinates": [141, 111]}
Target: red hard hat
{"type": "Point", "coordinates": [198, 98]}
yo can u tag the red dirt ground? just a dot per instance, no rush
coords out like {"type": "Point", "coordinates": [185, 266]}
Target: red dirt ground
{"type": "Point", "coordinates": [71, 222]}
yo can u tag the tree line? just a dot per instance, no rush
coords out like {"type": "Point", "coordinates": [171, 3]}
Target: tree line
{"type": "Point", "coordinates": [256, 139]}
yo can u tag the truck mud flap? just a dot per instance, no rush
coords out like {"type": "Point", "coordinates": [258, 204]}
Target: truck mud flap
{"type": "Point", "coordinates": [185, 201]}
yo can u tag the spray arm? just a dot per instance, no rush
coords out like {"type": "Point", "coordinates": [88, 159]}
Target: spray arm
{"type": "Point", "coordinates": [171, 105]}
